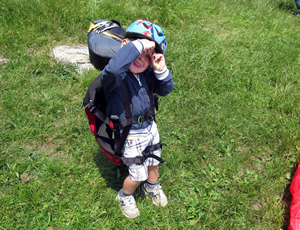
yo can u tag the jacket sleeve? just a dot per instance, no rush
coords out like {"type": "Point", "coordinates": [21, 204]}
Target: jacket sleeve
{"type": "Point", "coordinates": [115, 70]}
{"type": "Point", "coordinates": [163, 84]}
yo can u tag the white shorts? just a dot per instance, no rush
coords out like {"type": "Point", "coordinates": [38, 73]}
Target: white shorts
{"type": "Point", "coordinates": [135, 144]}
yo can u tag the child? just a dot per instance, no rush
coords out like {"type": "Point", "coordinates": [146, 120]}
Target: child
{"type": "Point", "coordinates": [298, 6]}
{"type": "Point", "coordinates": [144, 45]}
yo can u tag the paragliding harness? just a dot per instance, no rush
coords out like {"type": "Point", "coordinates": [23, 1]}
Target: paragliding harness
{"type": "Point", "coordinates": [104, 40]}
{"type": "Point", "coordinates": [107, 130]}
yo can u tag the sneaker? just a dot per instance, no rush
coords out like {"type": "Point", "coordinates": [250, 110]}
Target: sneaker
{"type": "Point", "coordinates": [157, 195]}
{"type": "Point", "coordinates": [128, 206]}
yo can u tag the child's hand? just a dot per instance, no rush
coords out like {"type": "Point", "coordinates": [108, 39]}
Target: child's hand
{"type": "Point", "coordinates": [148, 45]}
{"type": "Point", "coordinates": [158, 62]}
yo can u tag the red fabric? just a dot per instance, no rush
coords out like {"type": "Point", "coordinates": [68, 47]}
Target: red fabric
{"type": "Point", "coordinates": [111, 125]}
{"type": "Point", "coordinates": [295, 205]}
{"type": "Point", "coordinates": [111, 157]}
{"type": "Point", "coordinates": [92, 123]}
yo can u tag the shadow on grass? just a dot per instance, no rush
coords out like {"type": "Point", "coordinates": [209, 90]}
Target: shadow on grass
{"type": "Point", "coordinates": [113, 174]}
{"type": "Point", "coordinates": [287, 198]}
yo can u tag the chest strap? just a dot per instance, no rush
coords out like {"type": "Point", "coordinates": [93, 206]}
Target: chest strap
{"type": "Point", "coordinates": [138, 120]}
{"type": "Point", "coordinates": [134, 120]}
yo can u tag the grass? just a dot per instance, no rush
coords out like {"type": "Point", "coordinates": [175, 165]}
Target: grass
{"type": "Point", "coordinates": [230, 127]}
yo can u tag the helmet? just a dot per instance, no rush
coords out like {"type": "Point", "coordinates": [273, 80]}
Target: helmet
{"type": "Point", "coordinates": [145, 29]}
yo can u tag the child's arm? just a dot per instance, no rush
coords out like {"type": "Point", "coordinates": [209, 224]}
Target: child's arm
{"type": "Point", "coordinates": [115, 71]}
{"type": "Point", "coordinates": [163, 83]}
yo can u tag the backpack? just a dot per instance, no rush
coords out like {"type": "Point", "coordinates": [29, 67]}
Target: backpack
{"type": "Point", "coordinates": [104, 41]}
{"type": "Point", "coordinates": [107, 129]}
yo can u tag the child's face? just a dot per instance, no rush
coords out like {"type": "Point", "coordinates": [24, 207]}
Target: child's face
{"type": "Point", "coordinates": [141, 63]}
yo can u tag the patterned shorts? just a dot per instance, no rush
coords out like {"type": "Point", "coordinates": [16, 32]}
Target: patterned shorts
{"type": "Point", "coordinates": [135, 144]}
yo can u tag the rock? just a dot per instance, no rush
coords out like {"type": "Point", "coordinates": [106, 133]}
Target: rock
{"type": "Point", "coordinates": [77, 56]}
{"type": "Point", "coordinates": [3, 60]}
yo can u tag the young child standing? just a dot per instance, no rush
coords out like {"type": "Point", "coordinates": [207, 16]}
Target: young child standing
{"type": "Point", "coordinates": [144, 45]}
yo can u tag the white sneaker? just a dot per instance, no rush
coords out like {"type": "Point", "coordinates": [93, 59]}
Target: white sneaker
{"type": "Point", "coordinates": [128, 206]}
{"type": "Point", "coordinates": [157, 195]}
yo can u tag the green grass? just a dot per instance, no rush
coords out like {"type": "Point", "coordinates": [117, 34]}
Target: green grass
{"type": "Point", "coordinates": [230, 127]}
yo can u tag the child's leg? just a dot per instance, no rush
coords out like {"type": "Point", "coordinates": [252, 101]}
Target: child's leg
{"type": "Point", "coordinates": [130, 186]}
{"type": "Point", "coordinates": [126, 198]}
{"type": "Point", "coordinates": [153, 173]}
{"type": "Point", "coordinates": [153, 188]}
{"type": "Point", "coordinates": [137, 174]}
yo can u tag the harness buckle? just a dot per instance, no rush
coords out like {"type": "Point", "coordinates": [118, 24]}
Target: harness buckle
{"type": "Point", "coordinates": [91, 106]}
{"type": "Point", "coordinates": [114, 122]}
{"type": "Point", "coordinates": [140, 120]}
{"type": "Point", "coordinates": [114, 117]}
{"type": "Point", "coordinates": [139, 160]}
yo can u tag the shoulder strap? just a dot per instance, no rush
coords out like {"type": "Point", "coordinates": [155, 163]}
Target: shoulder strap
{"type": "Point", "coordinates": [126, 103]}
{"type": "Point", "coordinates": [90, 98]}
{"type": "Point", "coordinates": [154, 104]}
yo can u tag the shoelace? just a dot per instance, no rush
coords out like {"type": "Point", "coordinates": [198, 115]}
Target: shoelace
{"type": "Point", "coordinates": [157, 190]}
{"type": "Point", "coordinates": [130, 200]}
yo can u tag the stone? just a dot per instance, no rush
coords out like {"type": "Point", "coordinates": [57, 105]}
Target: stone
{"type": "Point", "coordinates": [3, 60]}
{"type": "Point", "coordinates": [77, 56]}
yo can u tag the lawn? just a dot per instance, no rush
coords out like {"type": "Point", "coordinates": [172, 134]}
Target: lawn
{"type": "Point", "coordinates": [230, 128]}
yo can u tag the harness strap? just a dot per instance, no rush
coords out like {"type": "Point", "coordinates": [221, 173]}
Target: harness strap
{"type": "Point", "coordinates": [93, 109]}
{"type": "Point", "coordinates": [118, 146]}
{"type": "Point", "coordinates": [126, 102]}
{"type": "Point", "coordinates": [139, 160]}
{"type": "Point", "coordinates": [133, 120]}
{"type": "Point", "coordinates": [138, 120]}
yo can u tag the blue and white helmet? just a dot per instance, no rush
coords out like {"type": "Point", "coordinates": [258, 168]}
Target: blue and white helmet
{"type": "Point", "coordinates": [145, 29]}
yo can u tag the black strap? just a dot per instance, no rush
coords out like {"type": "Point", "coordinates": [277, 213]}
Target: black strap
{"type": "Point", "coordinates": [126, 103]}
{"type": "Point", "coordinates": [141, 159]}
{"type": "Point", "coordinates": [138, 120]}
{"type": "Point", "coordinates": [93, 109]}
{"type": "Point", "coordinates": [126, 122]}
{"type": "Point", "coordinates": [150, 95]}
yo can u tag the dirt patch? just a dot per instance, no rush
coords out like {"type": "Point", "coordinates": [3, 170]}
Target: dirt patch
{"type": "Point", "coordinates": [48, 148]}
